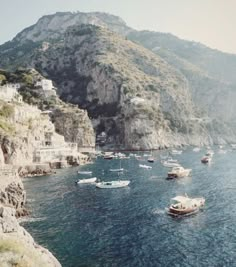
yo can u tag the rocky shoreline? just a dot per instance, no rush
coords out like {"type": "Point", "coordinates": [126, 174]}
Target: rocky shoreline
{"type": "Point", "coordinates": [17, 245]}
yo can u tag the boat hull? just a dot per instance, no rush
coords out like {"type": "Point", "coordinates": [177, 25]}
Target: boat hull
{"type": "Point", "coordinates": [182, 211]}
{"type": "Point", "coordinates": [113, 184]}
{"type": "Point", "coordinates": [172, 175]}
{"type": "Point", "coordinates": [87, 181]}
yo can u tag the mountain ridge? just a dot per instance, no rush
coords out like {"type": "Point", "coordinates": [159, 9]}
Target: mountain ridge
{"type": "Point", "coordinates": [198, 81]}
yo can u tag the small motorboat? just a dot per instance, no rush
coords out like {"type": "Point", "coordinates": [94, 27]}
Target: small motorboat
{"type": "Point", "coordinates": [178, 172]}
{"type": "Point", "coordinates": [164, 157]}
{"type": "Point", "coordinates": [117, 170]}
{"type": "Point", "coordinates": [145, 166]}
{"type": "Point", "coordinates": [206, 159]}
{"type": "Point", "coordinates": [85, 172]}
{"type": "Point", "coordinates": [233, 146]}
{"type": "Point", "coordinates": [87, 181]}
{"type": "Point", "coordinates": [196, 149]}
{"type": "Point", "coordinates": [147, 155]}
{"type": "Point", "coordinates": [108, 155]}
{"type": "Point", "coordinates": [209, 153]}
{"type": "Point", "coordinates": [222, 151]}
{"type": "Point", "coordinates": [113, 184]}
{"type": "Point", "coordinates": [151, 159]}
{"type": "Point", "coordinates": [176, 152]}
{"type": "Point", "coordinates": [183, 205]}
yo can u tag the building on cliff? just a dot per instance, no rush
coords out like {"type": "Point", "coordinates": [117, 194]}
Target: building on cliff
{"type": "Point", "coordinates": [47, 87]}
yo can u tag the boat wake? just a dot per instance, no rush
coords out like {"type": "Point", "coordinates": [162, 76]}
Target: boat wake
{"type": "Point", "coordinates": [154, 177]}
{"type": "Point", "coordinates": [158, 212]}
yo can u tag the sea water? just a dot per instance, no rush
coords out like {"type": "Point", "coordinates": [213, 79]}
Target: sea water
{"type": "Point", "coordinates": [84, 226]}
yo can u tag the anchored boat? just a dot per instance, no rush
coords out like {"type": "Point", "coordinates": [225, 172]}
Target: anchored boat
{"type": "Point", "coordinates": [145, 166]}
{"type": "Point", "coordinates": [87, 181]}
{"type": "Point", "coordinates": [178, 172]}
{"type": "Point", "coordinates": [85, 172]}
{"type": "Point", "coordinates": [113, 184]}
{"type": "Point", "coordinates": [183, 205]}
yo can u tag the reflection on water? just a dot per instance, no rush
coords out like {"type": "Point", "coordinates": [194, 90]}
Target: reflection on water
{"type": "Point", "coordinates": [86, 226]}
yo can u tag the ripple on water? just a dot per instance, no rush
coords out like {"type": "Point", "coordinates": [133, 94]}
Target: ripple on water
{"type": "Point", "coordinates": [86, 226]}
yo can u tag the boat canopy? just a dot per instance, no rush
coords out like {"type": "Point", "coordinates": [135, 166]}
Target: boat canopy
{"type": "Point", "coordinates": [181, 199]}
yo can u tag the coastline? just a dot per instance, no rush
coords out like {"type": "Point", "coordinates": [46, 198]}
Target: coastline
{"type": "Point", "coordinates": [16, 244]}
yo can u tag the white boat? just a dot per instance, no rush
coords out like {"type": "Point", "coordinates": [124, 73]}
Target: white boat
{"type": "Point", "coordinates": [151, 159]}
{"type": "Point", "coordinates": [164, 157]}
{"type": "Point", "coordinates": [170, 164]}
{"type": "Point", "coordinates": [196, 149]}
{"type": "Point", "coordinates": [85, 172]}
{"type": "Point", "coordinates": [117, 170]}
{"type": "Point", "coordinates": [147, 155]}
{"type": "Point", "coordinates": [113, 184]}
{"type": "Point", "coordinates": [176, 152]}
{"type": "Point", "coordinates": [233, 146]}
{"type": "Point", "coordinates": [222, 151]}
{"type": "Point", "coordinates": [209, 153]}
{"type": "Point", "coordinates": [108, 155]}
{"type": "Point", "coordinates": [87, 181]}
{"type": "Point", "coordinates": [183, 205]}
{"type": "Point", "coordinates": [145, 166]}
{"type": "Point", "coordinates": [178, 172]}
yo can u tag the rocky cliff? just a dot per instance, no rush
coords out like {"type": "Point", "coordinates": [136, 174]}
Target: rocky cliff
{"type": "Point", "coordinates": [210, 73]}
{"type": "Point", "coordinates": [122, 85]}
{"type": "Point", "coordinates": [103, 71]}
{"type": "Point", "coordinates": [17, 247]}
{"type": "Point", "coordinates": [59, 110]}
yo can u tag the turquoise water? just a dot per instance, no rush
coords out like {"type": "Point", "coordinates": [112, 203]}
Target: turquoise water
{"type": "Point", "coordinates": [86, 226]}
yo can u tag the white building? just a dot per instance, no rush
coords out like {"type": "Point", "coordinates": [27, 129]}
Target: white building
{"type": "Point", "coordinates": [8, 92]}
{"type": "Point", "coordinates": [47, 87]}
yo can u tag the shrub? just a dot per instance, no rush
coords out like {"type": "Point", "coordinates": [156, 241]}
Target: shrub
{"type": "Point", "coordinates": [6, 111]}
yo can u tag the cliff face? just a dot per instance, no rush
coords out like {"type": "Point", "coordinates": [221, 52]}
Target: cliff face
{"type": "Point", "coordinates": [34, 94]}
{"type": "Point", "coordinates": [210, 73]}
{"type": "Point", "coordinates": [102, 72]}
{"type": "Point", "coordinates": [121, 85]}
{"type": "Point", "coordinates": [17, 247]}
{"type": "Point", "coordinates": [74, 125]}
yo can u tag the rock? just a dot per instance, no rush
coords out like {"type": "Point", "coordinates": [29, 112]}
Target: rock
{"type": "Point", "coordinates": [18, 246]}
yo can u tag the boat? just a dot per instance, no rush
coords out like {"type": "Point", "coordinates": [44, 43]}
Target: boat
{"type": "Point", "coordinates": [233, 146]}
{"type": "Point", "coordinates": [108, 156]}
{"type": "Point", "coordinates": [176, 152]}
{"type": "Point", "coordinates": [147, 155]}
{"type": "Point", "coordinates": [209, 153]}
{"type": "Point", "coordinates": [178, 172]}
{"type": "Point", "coordinates": [145, 166]}
{"type": "Point", "coordinates": [118, 169]}
{"type": "Point", "coordinates": [206, 159]}
{"type": "Point", "coordinates": [113, 184]}
{"type": "Point", "coordinates": [196, 149]}
{"type": "Point", "coordinates": [184, 205]}
{"type": "Point", "coordinates": [222, 151]}
{"type": "Point", "coordinates": [170, 164]}
{"type": "Point", "coordinates": [87, 181]}
{"type": "Point", "coordinates": [164, 157]}
{"type": "Point", "coordinates": [151, 159]}
{"type": "Point", "coordinates": [85, 172]}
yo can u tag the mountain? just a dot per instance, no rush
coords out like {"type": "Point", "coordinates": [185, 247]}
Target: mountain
{"type": "Point", "coordinates": [211, 73]}
{"type": "Point", "coordinates": [153, 91]}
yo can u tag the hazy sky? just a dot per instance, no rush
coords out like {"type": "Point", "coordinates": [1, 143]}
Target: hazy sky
{"type": "Point", "coordinates": [210, 22]}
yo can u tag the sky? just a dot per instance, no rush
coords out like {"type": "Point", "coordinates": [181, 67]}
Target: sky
{"type": "Point", "coordinates": [210, 22]}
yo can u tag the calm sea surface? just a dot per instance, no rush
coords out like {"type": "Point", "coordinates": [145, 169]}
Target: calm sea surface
{"type": "Point", "coordinates": [128, 227]}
